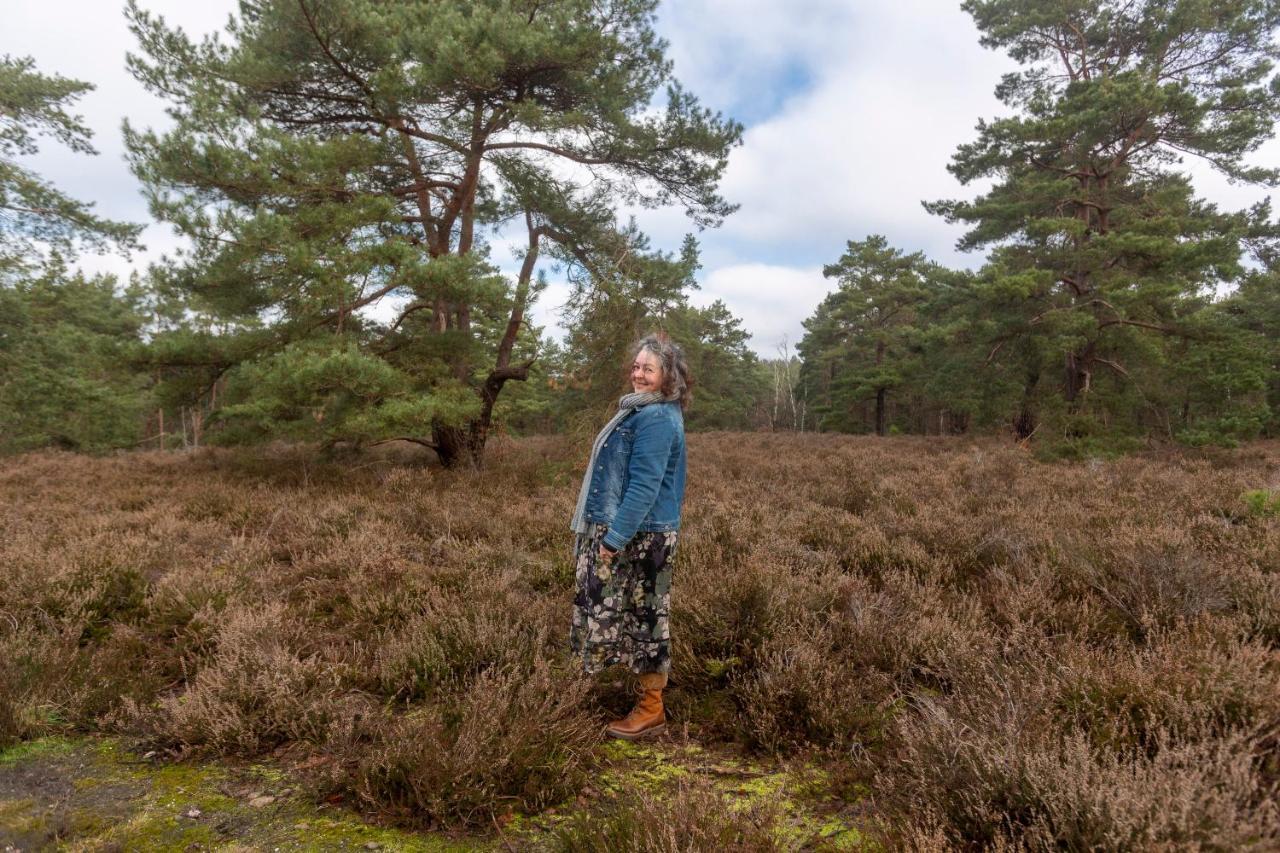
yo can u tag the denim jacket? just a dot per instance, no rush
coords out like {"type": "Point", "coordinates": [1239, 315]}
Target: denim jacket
{"type": "Point", "coordinates": [638, 483]}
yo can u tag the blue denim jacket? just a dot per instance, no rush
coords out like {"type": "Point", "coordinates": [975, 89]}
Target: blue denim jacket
{"type": "Point", "coordinates": [638, 483]}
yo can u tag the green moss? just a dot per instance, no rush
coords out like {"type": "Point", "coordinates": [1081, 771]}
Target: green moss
{"type": "Point", "coordinates": [122, 802]}
{"type": "Point", "coordinates": [801, 793]}
{"type": "Point", "coordinates": [719, 668]}
{"type": "Point", "coordinates": [331, 833]}
{"type": "Point", "coordinates": [622, 750]}
{"type": "Point", "coordinates": [191, 785]}
{"type": "Point", "coordinates": [659, 776]}
{"type": "Point", "coordinates": [155, 830]}
{"type": "Point", "coordinates": [16, 815]}
{"type": "Point", "coordinates": [270, 775]}
{"type": "Point", "coordinates": [42, 747]}
{"type": "Point", "coordinates": [87, 822]}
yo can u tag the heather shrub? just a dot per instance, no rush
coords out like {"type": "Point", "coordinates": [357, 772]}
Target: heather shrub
{"type": "Point", "coordinates": [506, 739]}
{"type": "Point", "coordinates": [1027, 787]}
{"type": "Point", "coordinates": [690, 818]}
{"type": "Point", "coordinates": [1143, 753]}
{"type": "Point", "coordinates": [103, 678]}
{"type": "Point", "coordinates": [803, 692]}
{"type": "Point", "coordinates": [1146, 587]}
{"type": "Point", "coordinates": [261, 687]}
{"type": "Point", "coordinates": [105, 595]}
{"type": "Point", "coordinates": [11, 691]}
{"type": "Point", "coordinates": [1135, 699]}
{"type": "Point", "coordinates": [51, 680]}
{"type": "Point", "coordinates": [1258, 594]}
{"type": "Point", "coordinates": [724, 612]}
{"type": "Point", "coordinates": [456, 636]}
{"type": "Point", "coordinates": [1010, 654]}
{"type": "Point", "coordinates": [182, 618]}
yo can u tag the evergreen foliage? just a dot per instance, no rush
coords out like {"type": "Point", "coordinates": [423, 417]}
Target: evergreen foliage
{"type": "Point", "coordinates": [66, 340]}
{"type": "Point", "coordinates": [1097, 318]}
{"type": "Point", "coordinates": [67, 343]}
{"type": "Point", "coordinates": [340, 165]}
{"type": "Point", "coordinates": [1251, 315]}
{"type": "Point", "coordinates": [862, 341]}
{"type": "Point", "coordinates": [1101, 254]}
{"type": "Point", "coordinates": [35, 216]}
{"type": "Point", "coordinates": [623, 289]}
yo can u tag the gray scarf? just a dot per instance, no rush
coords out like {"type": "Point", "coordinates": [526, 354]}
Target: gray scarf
{"type": "Point", "coordinates": [627, 404]}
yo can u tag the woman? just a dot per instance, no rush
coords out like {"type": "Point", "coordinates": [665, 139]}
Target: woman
{"type": "Point", "coordinates": [627, 518]}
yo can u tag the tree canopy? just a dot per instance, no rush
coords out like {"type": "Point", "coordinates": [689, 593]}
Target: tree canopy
{"type": "Point", "coordinates": [65, 338]}
{"type": "Point", "coordinates": [343, 166]}
{"type": "Point", "coordinates": [1098, 241]}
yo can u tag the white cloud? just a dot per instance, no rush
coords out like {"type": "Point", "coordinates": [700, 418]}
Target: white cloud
{"type": "Point", "coordinates": [896, 88]}
{"type": "Point", "coordinates": [771, 300]}
{"type": "Point", "coordinates": [88, 41]}
{"type": "Point", "coordinates": [872, 138]}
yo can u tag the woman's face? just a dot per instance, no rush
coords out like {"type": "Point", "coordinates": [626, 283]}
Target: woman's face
{"type": "Point", "coordinates": [646, 373]}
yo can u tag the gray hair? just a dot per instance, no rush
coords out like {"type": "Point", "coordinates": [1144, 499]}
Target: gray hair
{"type": "Point", "coordinates": [677, 383]}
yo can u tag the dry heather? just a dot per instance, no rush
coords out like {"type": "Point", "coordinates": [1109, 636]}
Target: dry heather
{"type": "Point", "coordinates": [686, 817]}
{"type": "Point", "coordinates": [1005, 653]}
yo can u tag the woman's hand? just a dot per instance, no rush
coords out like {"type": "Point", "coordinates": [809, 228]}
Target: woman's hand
{"type": "Point", "coordinates": [607, 554]}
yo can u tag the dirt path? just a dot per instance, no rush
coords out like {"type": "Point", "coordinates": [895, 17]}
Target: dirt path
{"type": "Point", "coordinates": [95, 795]}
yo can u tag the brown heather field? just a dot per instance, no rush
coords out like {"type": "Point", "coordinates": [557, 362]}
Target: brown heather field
{"type": "Point", "coordinates": [981, 651]}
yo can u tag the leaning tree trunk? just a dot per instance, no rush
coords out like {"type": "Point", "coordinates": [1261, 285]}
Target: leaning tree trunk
{"type": "Point", "coordinates": [449, 443]}
{"type": "Point", "coordinates": [467, 441]}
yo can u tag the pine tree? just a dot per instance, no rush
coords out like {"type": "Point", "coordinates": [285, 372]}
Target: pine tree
{"type": "Point", "coordinates": [332, 156]}
{"type": "Point", "coordinates": [1253, 315]}
{"type": "Point", "coordinates": [35, 216]}
{"type": "Point", "coordinates": [66, 340]}
{"type": "Point", "coordinates": [68, 344]}
{"type": "Point", "coordinates": [1098, 242]}
{"type": "Point", "coordinates": [863, 340]}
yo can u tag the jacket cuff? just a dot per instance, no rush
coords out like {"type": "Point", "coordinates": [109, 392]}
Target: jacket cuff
{"type": "Point", "coordinates": [613, 543]}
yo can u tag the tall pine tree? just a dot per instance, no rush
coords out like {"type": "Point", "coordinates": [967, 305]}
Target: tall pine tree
{"type": "Point", "coordinates": [65, 340]}
{"type": "Point", "coordinates": [622, 289]}
{"type": "Point", "coordinates": [1098, 241]}
{"type": "Point", "coordinates": [331, 157]}
{"type": "Point", "coordinates": [863, 340]}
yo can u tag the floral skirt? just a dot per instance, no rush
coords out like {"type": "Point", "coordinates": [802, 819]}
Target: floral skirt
{"type": "Point", "coordinates": [621, 611]}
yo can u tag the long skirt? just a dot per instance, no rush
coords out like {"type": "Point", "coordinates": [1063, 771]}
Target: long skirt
{"type": "Point", "coordinates": [621, 611]}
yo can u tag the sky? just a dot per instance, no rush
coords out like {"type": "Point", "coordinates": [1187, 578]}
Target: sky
{"type": "Point", "coordinates": [851, 108]}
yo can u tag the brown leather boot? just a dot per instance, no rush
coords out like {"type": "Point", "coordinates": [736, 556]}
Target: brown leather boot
{"type": "Point", "coordinates": [648, 716]}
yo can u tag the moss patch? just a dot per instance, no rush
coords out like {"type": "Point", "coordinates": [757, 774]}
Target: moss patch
{"type": "Point", "coordinates": [96, 794]}
{"type": "Point", "coordinates": [811, 819]}
{"type": "Point", "coordinates": [47, 746]}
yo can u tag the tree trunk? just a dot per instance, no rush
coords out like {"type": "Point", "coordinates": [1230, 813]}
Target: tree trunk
{"type": "Point", "coordinates": [1025, 422]}
{"type": "Point", "coordinates": [450, 444]}
{"type": "Point", "coordinates": [880, 392]}
{"type": "Point", "coordinates": [1076, 377]}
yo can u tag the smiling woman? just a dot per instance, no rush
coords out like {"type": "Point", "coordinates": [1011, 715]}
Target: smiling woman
{"type": "Point", "coordinates": [626, 521]}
